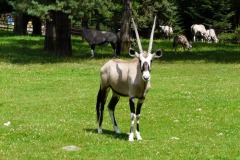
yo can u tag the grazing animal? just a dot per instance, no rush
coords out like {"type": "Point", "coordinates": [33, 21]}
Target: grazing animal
{"type": "Point", "coordinates": [199, 30]}
{"type": "Point", "coordinates": [212, 36]}
{"type": "Point", "coordinates": [95, 37]}
{"type": "Point", "coordinates": [181, 40]}
{"type": "Point", "coordinates": [167, 31]}
{"type": "Point", "coordinates": [127, 78]}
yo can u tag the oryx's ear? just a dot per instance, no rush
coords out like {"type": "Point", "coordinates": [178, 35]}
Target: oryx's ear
{"type": "Point", "coordinates": [158, 53]}
{"type": "Point", "coordinates": [133, 53]}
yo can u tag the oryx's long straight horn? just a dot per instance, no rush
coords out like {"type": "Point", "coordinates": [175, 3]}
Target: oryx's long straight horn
{"type": "Point", "coordinates": [137, 36]}
{"type": "Point", "coordinates": [151, 37]}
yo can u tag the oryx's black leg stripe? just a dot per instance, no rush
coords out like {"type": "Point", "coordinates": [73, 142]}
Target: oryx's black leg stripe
{"type": "Point", "coordinates": [111, 106]}
{"type": "Point", "coordinates": [101, 110]}
{"type": "Point", "coordinates": [92, 46]}
{"type": "Point", "coordinates": [139, 106]}
{"type": "Point", "coordinates": [138, 127]}
{"type": "Point", "coordinates": [132, 105]}
{"type": "Point", "coordinates": [102, 103]}
{"type": "Point", "coordinates": [133, 115]}
{"type": "Point", "coordinates": [113, 102]}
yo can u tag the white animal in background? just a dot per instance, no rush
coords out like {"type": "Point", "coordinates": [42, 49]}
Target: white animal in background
{"type": "Point", "coordinates": [200, 31]}
{"type": "Point", "coordinates": [167, 31]}
{"type": "Point", "coordinates": [212, 36]}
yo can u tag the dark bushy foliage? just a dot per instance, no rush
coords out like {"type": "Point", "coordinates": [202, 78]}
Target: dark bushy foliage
{"type": "Point", "coordinates": [233, 37]}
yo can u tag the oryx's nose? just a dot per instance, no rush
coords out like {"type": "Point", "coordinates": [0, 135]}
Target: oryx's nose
{"type": "Point", "coordinates": [146, 76]}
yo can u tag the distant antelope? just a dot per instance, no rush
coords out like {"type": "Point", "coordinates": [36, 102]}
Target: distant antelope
{"type": "Point", "coordinates": [96, 37]}
{"type": "Point", "coordinates": [212, 36]}
{"type": "Point", "coordinates": [181, 40]}
{"type": "Point", "coordinates": [127, 78]}
{"type": "Point", "coordinates": [199, 30]}
{"type": "Point", "coordinates": [167, 31]}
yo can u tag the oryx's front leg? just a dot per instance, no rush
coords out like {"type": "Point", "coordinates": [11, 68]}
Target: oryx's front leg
{"type": "Point", "coordinates": [133, 117]}
{"type": "Point", "coordinates": [139, 106]}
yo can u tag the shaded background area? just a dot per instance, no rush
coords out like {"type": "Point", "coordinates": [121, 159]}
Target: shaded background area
{"type": "Point", "coordinates": [29, 49]}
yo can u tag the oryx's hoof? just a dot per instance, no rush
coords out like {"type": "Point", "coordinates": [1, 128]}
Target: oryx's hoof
{"type": "Point", "coordinates": [131, 137]}
{"type": "Point", "coordinates": [116, 130]}
{"type": "Point", "coordinates": [139, 138]}
{"type": "Point", "coordinates": [99, 129]}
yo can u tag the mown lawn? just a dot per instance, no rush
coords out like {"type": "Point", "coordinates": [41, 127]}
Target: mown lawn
{"type": "Point", "coordinates": [47, 103]}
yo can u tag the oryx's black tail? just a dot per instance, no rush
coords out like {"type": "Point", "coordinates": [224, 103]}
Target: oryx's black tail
{"type": "Point", "coordinates": [98, 104]}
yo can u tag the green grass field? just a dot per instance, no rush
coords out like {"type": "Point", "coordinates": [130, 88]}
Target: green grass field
{"type": "Point", "coordinates": [47, 103]}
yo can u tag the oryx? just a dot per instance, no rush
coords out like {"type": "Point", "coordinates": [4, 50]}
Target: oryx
{"type": "Point", "coordinates": [127, 78]}
{"type": "Point", "coordinates": [96, 37]}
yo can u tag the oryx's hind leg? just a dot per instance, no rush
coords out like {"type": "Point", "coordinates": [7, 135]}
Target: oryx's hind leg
{"type": "Point", "coordinates": [92, 50]}
{"type": "Point", "coordinates": [114, 46]}
{"type": "Point", "coordinates": [111, 107]}
{"type": "Point", "coordinates": [101, 100]}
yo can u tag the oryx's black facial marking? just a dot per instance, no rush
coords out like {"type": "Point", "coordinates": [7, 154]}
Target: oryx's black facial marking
{"type": "Point", "coordinates": [145, 64]}
{"type": "Point", "coordinates": [140, 64]}
{"type": "Point", "coordinates": [145, 67]}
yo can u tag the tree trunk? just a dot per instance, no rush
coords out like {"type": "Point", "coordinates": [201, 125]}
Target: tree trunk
{"type": "Point", "coordinates": [50, 35]}
{"type": "Point", "coordinates": [37, 26]}
{"type": "Point", "coordinates": [63, 32]}
{"type": "Point", "coordinates": [58, 35]}
{"type": "Point", "coordinates": [20, 24]}
{"type": "Point", "coordinates": [126, 26]}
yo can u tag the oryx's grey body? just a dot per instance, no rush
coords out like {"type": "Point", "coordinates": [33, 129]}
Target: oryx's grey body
{"type": "Point", "coordinates": [200, 31]}
{"type": "Point", "coordinates": [212, 36]}
{"type": "Point", "coordinates": [126, 78]}
{"type": "Point", "coordinates": [95, 37]}
{"type": "Point", "coordinates": [181, 39]}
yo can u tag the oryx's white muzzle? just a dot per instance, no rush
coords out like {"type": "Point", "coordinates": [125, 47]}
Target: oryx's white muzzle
{"type": "Point", "coordinates": [146, 75]}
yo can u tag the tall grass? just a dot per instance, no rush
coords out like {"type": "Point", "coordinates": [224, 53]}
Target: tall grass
{"type": "Point", "coordinates": [191, 112]}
